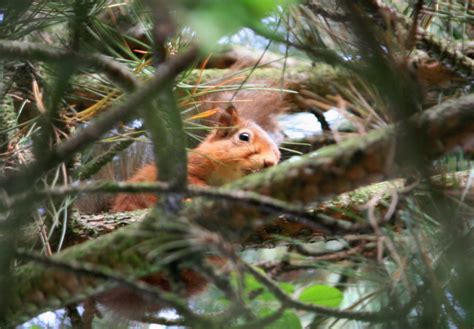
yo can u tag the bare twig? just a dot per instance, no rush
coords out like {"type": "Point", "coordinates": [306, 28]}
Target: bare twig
{"type": "Point", "coordinates": [163, 321]}
{"type": "Point", "coordinates": [331, 255]}
{"type": "Point", "coordinates": [318, 9]}
{"type": "Point", "coordinates": [411, 40]}
{"type": "Point", "coordinates": [263, 322]}
{"type": "Point", "coordinates": [164, 27]}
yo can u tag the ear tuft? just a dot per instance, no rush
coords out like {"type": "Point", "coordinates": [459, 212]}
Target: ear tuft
{"type": "Point", "coordinates": [228, 119]}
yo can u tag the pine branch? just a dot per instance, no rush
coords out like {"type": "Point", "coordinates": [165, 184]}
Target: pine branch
{"type": "Point", "coordinates": [439, 49]}
{"type": "Point", "coordinates": [16, 182]}
{"type": "Point", "coordinates": [94, 165]}
{"type": "Point", "coordinates": [446, 126]}
{"type": "Point", "coordinates": [18, 50]}
{"type": "Point", "coordinates": [21, 181]}
{"type": "Point", "coordinates": [85, 271]}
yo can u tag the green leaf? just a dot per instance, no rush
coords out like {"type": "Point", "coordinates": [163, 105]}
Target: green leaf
{"type": "Point", "coordinates": [285, 286]}
{"type": "Point", "coordinates": [321, 295]}
{"type": "Point", "coordinates": [252, 284]}
{"type": "Point", "coordinates": [289, 320]}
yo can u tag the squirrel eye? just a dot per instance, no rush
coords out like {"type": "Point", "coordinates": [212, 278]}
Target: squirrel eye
{"type": "Point", "coordinates": [244, 137]}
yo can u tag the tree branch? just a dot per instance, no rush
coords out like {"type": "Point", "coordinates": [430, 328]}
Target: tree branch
{"type": "Point", "coordinates": [147, 290]}
{"type": "Point", "coordinates": [20, 50]}
{"type": "Point", "coordinates": [21, 180]}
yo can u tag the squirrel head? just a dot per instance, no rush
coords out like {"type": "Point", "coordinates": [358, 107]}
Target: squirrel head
{"type": "Point", "coordinates": [237, 147]}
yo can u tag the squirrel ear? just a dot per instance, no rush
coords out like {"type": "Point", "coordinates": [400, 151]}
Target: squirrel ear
{"type": "Point", "coordinates": [228, 119]}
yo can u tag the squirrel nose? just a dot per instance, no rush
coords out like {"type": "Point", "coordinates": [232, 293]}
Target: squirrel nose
{"type": "Point", "coordinates": [268, 163]}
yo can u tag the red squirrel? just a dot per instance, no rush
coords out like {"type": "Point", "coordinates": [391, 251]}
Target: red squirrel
{"type": "Point", "coordinates": [237, 147]}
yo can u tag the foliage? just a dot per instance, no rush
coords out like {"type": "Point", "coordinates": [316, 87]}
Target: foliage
{"type": "Point", "coordinates": [82, 80]}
